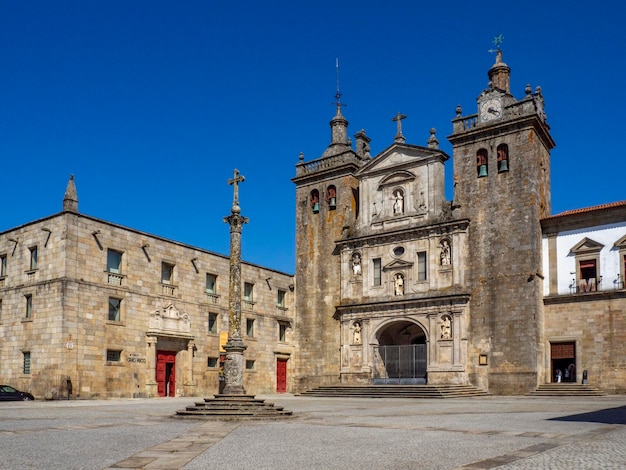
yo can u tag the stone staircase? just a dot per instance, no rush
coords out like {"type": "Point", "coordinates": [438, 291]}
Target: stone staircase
{"type": "Point", "coordinates": [234, 407]}
{"type": "Point", "coordinates": [397, 391]}
{"type": "Point", "coordinates": [566, 389]}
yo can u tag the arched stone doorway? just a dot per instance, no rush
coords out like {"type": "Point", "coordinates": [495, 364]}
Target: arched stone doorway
{"type": "Point", "coordinates": [400, 357]}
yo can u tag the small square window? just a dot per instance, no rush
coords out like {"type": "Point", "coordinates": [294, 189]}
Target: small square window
{"type": "Point", "coordinates": [250, 327]}
{"type": "Point", "coordinates": [115, 309]}
{"type": "Point", "coordinates": [33, 258]}
{"type": "Point", "coordinates": [114, 261]}
{"type": "Point", "coordinates": [249, 364]}
{"type": "Point", "coordinates": [280, 301]}
{"type": "Point", "coordinates": [282, 332]}
{"type": "Point", "coordinates": [248, 291]}
{"type": "Point", "coordinates": [212, 322]}
{"type": "Point", "coordinates": [211, 362]}
{"type": "Point", "coordinates": [167, 273]}
{"type": "Point", "coordinates": [211, 283]}
{"type": "Point", "coordinates": [3, 265]}
{"type": "Point", "coordinates": [114, 355]}
{"type": "Point", "coordinates": [29, 305]}
{"type": "Point", "coordinates": [26, 363]}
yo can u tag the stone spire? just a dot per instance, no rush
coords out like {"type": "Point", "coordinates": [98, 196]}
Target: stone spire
{"type": "Point", "coordinates": [70, 200]}
{"type": "Point", "coordinates": [500, 74]}
{"type": "Point", "coordinates": [339, 127]}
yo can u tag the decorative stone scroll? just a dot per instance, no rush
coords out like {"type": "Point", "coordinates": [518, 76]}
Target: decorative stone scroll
{"type": "Point", "coordinates": [168, 320]}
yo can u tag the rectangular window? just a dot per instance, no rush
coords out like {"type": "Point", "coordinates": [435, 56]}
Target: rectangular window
{"type": "Point", "coordinates": [115, 309]}
{"type": "Point", "coordinates": [3, 265]}
{"type": "Point", "coordinates": [280, 300]}
{"type": "Point", "coordinates": [114, 355]}
{"type": "Point", "coordinates": [211, 283]}
{"type": "Point", "coordinates": [421, 266]}
{"type": "Point", "coordinates": [114, 261]}
{"type": "Point", "coordinates": [167, 273]}
{"type": "Point", "coordinates": [249, 364]}
{"type": "Point", "coordinates": [282, 332]}
{"type": "Point", "coordinates": [211, 362]}
{"type": "Point", "coordinates": [250, 327]}
{"type": "Point", "coordinates": [212, 322]}
{"type": "Point", "coordinates": [26, 365]}
{"type": "Point", "coordinates": [248, 291]}
{"type": "Point", "coordinates": [377, 271]}
{"type": "Point", "coordinates": [588, 273]}
{"type": "Point", "coordinates": [33, 258]}
{"type": "Point", "coordinates": [29, 305]}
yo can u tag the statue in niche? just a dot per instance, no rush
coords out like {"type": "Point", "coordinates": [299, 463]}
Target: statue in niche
{"type": "Point", "coordinates": [444, 256]}
{"type": "Point", "coordinates": [398, 205]}
{"type": "Point", "coordinates": [356, 336]}
{"type": "Point", "coordinates": [356, 264]}
{"type": "Point", "coordinates": [446, 327]}
{"type": "Point", "coordinates": [399, 284]}
{"type": "Point", "coordinates": [421, 202]}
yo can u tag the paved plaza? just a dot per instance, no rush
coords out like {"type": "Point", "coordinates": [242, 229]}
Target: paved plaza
{"type": "Point", "coordinates": [325, 433]}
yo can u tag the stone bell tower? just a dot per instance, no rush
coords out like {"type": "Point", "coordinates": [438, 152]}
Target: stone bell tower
{"type": "Point", "coordinates": [326, 207]}
{"type": "Point", "coordinates": [502, 185]}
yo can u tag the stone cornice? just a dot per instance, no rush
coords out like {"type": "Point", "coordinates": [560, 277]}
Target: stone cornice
{"type": "Point", "coordinates": [585, 297]}
{"type": "Point", "coordinates": [451, 300]}
{"type": "Point", "coordinates": [405, 234]}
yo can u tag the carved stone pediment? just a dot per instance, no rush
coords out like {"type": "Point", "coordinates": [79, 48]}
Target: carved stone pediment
{"type": "Point", "coordinates": [397, 264]}
{"type": "Point", "coordinates": [168, 321]}
{"type": "Point", "coordinates": [587, 245]}
{"type": "Point", "coordinates": [397, 178]}
{"type": "Point", "coordinates": [621, 243]}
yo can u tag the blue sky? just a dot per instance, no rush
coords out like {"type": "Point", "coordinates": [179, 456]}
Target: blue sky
{"type": "Point", "coordinates": [152, 104]}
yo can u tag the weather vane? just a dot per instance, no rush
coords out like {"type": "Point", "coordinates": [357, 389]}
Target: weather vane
{"type": "Point", "coordinates": [497, 41]}
{"type": "Point", "coordinates": [338, 102]}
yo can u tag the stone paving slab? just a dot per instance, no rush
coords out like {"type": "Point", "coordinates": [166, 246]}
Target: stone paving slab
{"type": "Point", "coordinates": [513, 433]}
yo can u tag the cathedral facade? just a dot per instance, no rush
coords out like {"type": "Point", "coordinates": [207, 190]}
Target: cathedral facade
{"type": "Point", "coordinates": [400, 286]}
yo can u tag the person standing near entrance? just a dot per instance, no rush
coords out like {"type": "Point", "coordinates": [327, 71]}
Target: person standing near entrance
{"type": "Point", "coordinates": [571, 369]}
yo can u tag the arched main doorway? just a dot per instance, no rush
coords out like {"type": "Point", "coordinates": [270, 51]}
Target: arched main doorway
{"type": "Point", "coordinates": [400, 357]}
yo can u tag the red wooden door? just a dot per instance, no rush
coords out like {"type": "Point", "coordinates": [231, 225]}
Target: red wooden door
{"type": "Point", "coordinates": [281, 375]}
{"type": "Point", "coordinates": [166, 373]}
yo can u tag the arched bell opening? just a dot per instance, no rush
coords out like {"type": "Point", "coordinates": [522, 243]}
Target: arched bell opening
{"type": "Point", "coordinates": [400, 356]}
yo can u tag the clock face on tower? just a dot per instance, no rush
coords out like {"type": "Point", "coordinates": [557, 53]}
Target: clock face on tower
{"type": "Point", "coordinates": [490, 109]}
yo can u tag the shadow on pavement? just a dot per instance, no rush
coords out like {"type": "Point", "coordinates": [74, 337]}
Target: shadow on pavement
{"type": "Point", "coordinates": [607, 416]}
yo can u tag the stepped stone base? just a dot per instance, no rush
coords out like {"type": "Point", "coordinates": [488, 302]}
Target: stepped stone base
{"type": "Point", "coordinates": [565, 389]}
{"type": "Point", "coordinates": [234, 407]}
{"type": "Point", "coordinates": [397, 391]}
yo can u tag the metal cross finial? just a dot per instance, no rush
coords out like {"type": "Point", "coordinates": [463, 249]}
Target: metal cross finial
{"type": "Point", "coordinates": [398, 118]}
{"type": "Point", "coordinates": [497, 41]}
{"type": "Point", "coordinates": [237, 178]}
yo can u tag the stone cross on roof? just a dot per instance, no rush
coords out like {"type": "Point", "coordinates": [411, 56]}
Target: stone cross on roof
{"type": "Point", "coordinates": [398, 118]}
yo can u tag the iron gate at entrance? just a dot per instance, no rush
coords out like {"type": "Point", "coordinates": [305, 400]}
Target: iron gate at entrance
{"type": "Point", "coordinates": [400, 364]}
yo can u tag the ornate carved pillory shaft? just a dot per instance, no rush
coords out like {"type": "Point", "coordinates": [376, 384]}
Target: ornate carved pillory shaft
{"type": "Point", "coordinates": [233, 366]}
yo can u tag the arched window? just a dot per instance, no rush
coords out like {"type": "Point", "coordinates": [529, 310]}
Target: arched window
{"type": "Point", "coordinates": [331, 197]}
{"type": "Point", "coordinates": [482, 163]}
{"type": "Point", "coordinates": [315, 201]}
{"type": "Point", "coordinates": [503, 158]}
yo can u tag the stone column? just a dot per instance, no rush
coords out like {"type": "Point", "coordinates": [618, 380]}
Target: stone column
{"type": "Point", "coordinates": [151, 383]}
{"type": "Point", "coordinates": [234, 347]}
